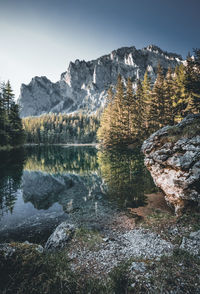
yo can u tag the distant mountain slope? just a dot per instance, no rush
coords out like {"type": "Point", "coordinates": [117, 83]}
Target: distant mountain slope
{"type": "Point", "coordinates": [84, 84]}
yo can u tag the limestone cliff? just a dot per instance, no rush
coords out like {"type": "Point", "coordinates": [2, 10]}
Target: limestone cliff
{"type": "Point", "coordinates": [84, 85]}
{"type": "Point", "coordinates": [172, 155]}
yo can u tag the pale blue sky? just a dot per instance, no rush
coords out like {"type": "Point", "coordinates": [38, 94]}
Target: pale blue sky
{"type": "Point", "coordinates": [42, 37]}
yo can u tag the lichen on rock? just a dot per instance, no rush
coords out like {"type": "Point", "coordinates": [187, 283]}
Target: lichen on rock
{"type": "Point", "coordinates": [172, 155]}
{"type": "Point", "coordinates": [59, 238]}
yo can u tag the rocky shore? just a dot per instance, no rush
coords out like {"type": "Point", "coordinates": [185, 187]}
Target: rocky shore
{"type": "Point", "coordinates": [158, 252]}
{"type": "Point", "coordinates": [172, 155]}
{"type": "Point", "coordinates": [140, 256]}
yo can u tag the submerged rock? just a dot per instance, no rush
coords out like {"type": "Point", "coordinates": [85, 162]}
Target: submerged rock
{"type": "Point", "coordinates": [172, 155]}
{"type": "Point", "coordinates": [59, 238]}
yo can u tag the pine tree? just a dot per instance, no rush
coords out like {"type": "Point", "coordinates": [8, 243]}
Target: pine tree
{"type": "Point", "coordinates": [146, 88]}
{"type": "Point", "coordinates": [192, 81]}
{"type": "Point", "coordinates": [117, 122]}
{"type": "Point", "coordinates": [168, 98]}
{"type": "Point", "coordinates": [139, 112]}
{"type": "Point", "coordinates": [180, 98]}
{"type": "Point", "coordinates": [8, 96]}
{"type": "Point", "coordinates": [11, 132]}
{"type": "Point", "coordinates": [4, 136]}
{"type": "Point", "coordinates": [157, 107]}
{"type": "Point", "coordinates": [130, 107]}
{"type": "Point", "coordinates": [15, 126]}
{"type": "Point", "coordinates": [103, 133]}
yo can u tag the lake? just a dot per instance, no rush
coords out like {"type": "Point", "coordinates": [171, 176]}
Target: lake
{"type": "Point", "coordinates": [41, 186]}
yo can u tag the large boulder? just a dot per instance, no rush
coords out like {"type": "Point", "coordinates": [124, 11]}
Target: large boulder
{"type": "Point", "coordinates": [172, 155]}
{"type": "Point", "coordinates": [59, 238]}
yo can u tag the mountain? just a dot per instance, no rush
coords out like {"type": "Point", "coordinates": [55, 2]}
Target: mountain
{"type": "Point", "coordinates": [84, 85]}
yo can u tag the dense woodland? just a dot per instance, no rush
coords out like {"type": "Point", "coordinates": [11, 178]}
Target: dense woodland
{"type": "Point", "coordinates": [11, 131]}
{"type": "Point", "coordinates": [131, 117]}
{"type": "Point", "coordinates": [61, 128]}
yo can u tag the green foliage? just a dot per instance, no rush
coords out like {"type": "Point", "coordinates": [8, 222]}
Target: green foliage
{"type": "Point", "coordinates": [11, 132]}
{"type": "Point", "coordinates": [130, 118]}
{"type": "Point", "coordinates": [126, 177]}
{"type": "Point", "coordinates": [121, 117]}
{"type": "Point", "coordinates": [11, 169]}
{"type": "Point", "coordinates": [56, 160]}
{"type": "Point", "coordinates": [29, 271]}
{"type": "Point", "coordinates": [120, 277]}
{"type": "Point", "coordinates": [61, 128]}
{"type": "Point", "coordinates": [192, 81]}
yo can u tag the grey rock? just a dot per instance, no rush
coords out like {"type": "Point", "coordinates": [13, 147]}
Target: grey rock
{"type": "Point", "coordinates": [137, 243]}
{"type": "Point", "coordinates": [138, 267]}
{"type": "Point", "coordinates": [192, 243]}
{"type": "Point", "coordinates": [195, 235]}
{"type": "Point", "coordinates": [59, 238]}
{"type": "Point", "coordinates": [39, 248]}
{"type": "Point", "coordinates": [175, 165]}
{"type": "Point", "coordinates": [9, 249]}
{"type": "Point", "coordinates": [84, 85]}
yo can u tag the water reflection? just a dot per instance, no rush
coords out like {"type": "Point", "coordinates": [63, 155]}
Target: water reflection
{"type": "Point", "coordinates": [80, 184]}
{"type": "Point", "coordinates": [60, 175]}
{"type": "Point", "coordinates": [127, 180]}
{"type": "Point", "coordinates": [70, 176]}
{"type": "Point", "coordinates": [58, 160]}
{"type": "Point", "coordinates": [11, 169]}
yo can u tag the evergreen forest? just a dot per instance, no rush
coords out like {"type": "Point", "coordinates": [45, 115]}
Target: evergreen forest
{"type": "Point", "coordinates": [61, 129]}
{"type": "Point", "coordinates": [129, 118]}
{"type": "Point", "coordinates": [11, 131]}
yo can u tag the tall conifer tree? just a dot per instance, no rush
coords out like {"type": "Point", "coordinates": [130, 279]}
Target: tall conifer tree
{"type": "Point", "coordinates": [168, 97]}
{"type": "Point", "coordinates": [15, 126]}
{"type": "Point", "coordinates": [192, 81]}
{"type": "Point", "coordinates": [103, 133]}
{"type": "Point", "coordinates": [4, 136]}
{"type": "Point", "coordinates": [8, 96]}
{"type": "Point", "coordinates": [157, 108]}
{"type": "Point", "coordinates": [180, 98]}
{"type": "Point", "coordinates": [146, 87]}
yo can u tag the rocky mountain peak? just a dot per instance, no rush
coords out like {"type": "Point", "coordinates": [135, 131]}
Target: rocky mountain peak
{"type": "Point", "coordinates": [155, 49]}
{"type": "Point", "coordinates": [85, 83]}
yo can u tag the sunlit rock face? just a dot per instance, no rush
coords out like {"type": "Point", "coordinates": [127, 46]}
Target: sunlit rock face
{"type": "Point", "coordinates": [84, 85]}
{"type": "Point", "coordinates": [172, 155]}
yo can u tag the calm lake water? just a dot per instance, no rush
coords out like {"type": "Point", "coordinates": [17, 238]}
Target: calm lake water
{"type": "Point", "coordinates": [43, 186]}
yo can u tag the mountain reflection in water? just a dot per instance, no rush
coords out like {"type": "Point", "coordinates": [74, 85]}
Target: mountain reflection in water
{"type": "Point", "coordinates": [80, 184]}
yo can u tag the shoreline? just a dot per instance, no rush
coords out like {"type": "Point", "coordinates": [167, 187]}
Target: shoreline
{"type": "Point", "coordinates": [64, 144]}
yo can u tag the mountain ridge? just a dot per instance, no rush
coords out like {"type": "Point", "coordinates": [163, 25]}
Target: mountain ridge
{"type": "Point", "coordinates": [84, 85]}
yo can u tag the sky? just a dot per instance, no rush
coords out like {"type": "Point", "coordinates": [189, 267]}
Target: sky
{"type": "Point", "coordinates": [41, 37]}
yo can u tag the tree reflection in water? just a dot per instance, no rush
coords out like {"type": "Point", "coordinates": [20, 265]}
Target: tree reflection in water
{"type": "Point", "coordinates": [11, 169]}
{"type": "Point", "coordinates": [56, 174]}
{"type": "Point", "coordinates": [126, 177]}
{"type": "Point", "coordinates": [58, 160]}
